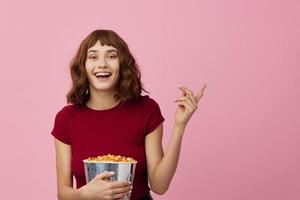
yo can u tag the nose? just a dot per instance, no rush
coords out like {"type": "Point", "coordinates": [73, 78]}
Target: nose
{"type": "Point", "coordinates": [102, 62]}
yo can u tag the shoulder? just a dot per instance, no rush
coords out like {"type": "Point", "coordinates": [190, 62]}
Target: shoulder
{"type": "Point", "coordinates": [145, 103]}
{"type": "Point", "coordinates": [152, 102]}
{"type": "Point", "coordinates": [68, 110]}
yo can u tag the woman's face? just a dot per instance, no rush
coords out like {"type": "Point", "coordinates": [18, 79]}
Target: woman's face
{"type": "Point", "coordinates": [102, 67]}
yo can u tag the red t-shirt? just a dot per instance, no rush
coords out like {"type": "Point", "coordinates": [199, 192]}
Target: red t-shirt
{"type": "Point", "coordinates": [120, 130]}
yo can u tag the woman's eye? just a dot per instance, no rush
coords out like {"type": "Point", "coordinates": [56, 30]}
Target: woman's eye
{"type": "Point", "coordinates": [112, 56]}
{"type": "Point", "coordinates": [93, 57]}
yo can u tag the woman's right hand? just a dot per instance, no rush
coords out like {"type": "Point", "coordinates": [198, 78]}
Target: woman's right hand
{"type": "Point", "coordinates": [98, 188]}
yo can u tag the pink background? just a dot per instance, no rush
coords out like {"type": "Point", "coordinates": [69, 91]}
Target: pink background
{"type": "Point", "coordinates": [243, 141]}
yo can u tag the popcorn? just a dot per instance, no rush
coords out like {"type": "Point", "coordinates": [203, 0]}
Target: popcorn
{"type": "Point", "coordinates": [111, 158]}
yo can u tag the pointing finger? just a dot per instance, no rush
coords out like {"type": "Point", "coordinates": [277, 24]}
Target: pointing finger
{"type": "Point", "coordinates": [185, 90]}
{"type": "Point", "coordinates": [200, 92]}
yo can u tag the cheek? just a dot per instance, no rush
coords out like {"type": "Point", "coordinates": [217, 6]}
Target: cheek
{"type": "Point", "coordinates": [116, 69]}
{"type": "Point", "coordinates": [88, 71]}
{"type": "Point", "coordinates": [88, 68]}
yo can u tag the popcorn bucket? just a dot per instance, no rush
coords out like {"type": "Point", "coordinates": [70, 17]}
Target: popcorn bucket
{"type": "Point", "coordinates": [124, 171]}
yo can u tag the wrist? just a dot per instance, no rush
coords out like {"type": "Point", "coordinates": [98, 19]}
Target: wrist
{"type": "Point", "coordinates": [179, 126]}
{"type": "Point", "coordinates": [178, 129]}
{"type": "Point", "coordinates": [81, 193]}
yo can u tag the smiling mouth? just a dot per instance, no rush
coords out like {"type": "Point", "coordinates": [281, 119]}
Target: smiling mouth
{"type": "Point", "coordinates": [102, 75]}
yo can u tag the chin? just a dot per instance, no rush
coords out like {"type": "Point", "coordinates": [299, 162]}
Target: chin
{"type": "Point", "coordinates": [104, 88]}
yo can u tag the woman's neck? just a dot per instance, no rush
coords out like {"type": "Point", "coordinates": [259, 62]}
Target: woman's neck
{"type": "Point", "coordinates": [102, 100]}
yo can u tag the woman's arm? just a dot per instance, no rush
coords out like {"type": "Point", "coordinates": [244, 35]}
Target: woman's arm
{"type": "Point", "coordinates": [65, 190]}
{"type": "Point", "coordinates": [161, 168]}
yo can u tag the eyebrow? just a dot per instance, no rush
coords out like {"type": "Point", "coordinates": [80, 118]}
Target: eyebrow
{"type": "Point", "coordinates": [95, 51]}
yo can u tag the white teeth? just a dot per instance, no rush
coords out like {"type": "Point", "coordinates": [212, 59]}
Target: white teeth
{"type": "Point", "coordinates": [102, 73]}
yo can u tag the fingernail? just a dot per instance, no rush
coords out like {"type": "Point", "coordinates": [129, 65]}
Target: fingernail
{"type": "Point", "coordinates": [178, 85]}
{"type": "Point", "coordinates": [112, 172]}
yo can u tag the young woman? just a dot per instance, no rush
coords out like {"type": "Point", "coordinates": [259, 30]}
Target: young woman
{"type": "Point", "coordinates": [106, 114]}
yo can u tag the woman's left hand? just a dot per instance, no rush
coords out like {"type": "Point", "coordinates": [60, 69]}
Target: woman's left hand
{"type": "Point", "coordinates": [187, 105]}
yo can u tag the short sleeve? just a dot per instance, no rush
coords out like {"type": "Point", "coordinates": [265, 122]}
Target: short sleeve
{"type": "Point", "coordinates": [60, 130]}
{"type": "Point", "coordinates": [155, 117]}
